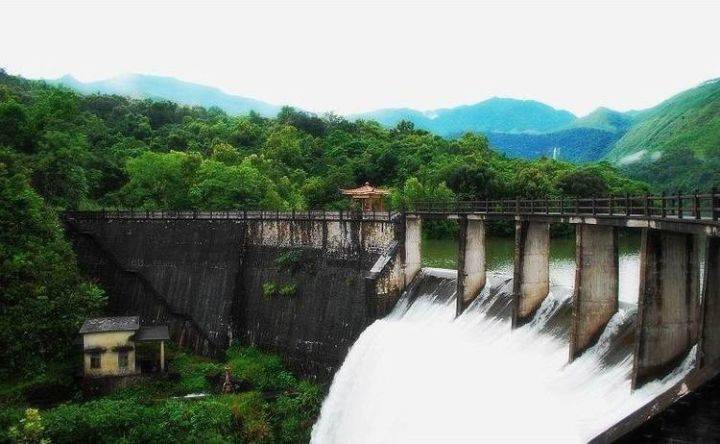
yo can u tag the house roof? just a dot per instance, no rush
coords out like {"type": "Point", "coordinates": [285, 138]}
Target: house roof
{"type": "Point", "coordinates": [152, 333]}
{"type": "Point", "coordinates": [365, 191]}
{"type": "Point", "coordinates": [117, 323]}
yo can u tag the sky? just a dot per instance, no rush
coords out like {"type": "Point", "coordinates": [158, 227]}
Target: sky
{"type": "Point", "coordinates": [354, 56]}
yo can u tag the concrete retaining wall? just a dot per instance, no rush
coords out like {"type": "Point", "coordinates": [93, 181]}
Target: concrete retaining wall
{"type": "Point", "coordinates": [206, 279]}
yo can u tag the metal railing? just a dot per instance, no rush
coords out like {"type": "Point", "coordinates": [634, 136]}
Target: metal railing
{"type": "Point", "coordinates": [699, 206]}
{"type": "Point", "coordinates": [686, 207]}
{"type": "Point", "coordinates": [255, 215]}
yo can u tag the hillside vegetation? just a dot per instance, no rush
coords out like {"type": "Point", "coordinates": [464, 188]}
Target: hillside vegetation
{"type": "Point", "coordinates": [86, 151]}
{"type": "Point", "coordinates": [575, 144]}
{"type": "Point", "coordinates": [689, 120]}
{"type": "Point", "coordinates": [675, 145]}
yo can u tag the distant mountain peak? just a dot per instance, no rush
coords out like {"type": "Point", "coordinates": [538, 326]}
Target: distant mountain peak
{"type": "Point", "coordinates": [496, 114]}
{"type": "Point", "coordinates": [169, 88]}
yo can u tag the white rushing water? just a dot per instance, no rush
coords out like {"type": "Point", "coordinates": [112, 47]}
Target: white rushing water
{"type": "Point", "coordinates": [420, 375]}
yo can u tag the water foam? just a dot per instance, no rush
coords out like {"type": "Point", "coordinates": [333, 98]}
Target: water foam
{"type": "Point", "coordinates": [421, 375]}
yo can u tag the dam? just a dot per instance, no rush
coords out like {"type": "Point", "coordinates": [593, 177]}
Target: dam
{"type": "Point", "coordinates": [357, 284]}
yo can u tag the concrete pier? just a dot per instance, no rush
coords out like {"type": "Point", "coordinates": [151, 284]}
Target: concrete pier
{"type": "Point", "coordinates": [471, 261]}
{"type": "Point", "coordinates": [668, 321]}
{"type": "Point", "coordinates": [710, 331]}
{"type": "Point", "coordinates": [595, 297]}
{"type": "Point", "coordinates": [413, 240]}
{"type": "Point", "coordinates": [531, 277]}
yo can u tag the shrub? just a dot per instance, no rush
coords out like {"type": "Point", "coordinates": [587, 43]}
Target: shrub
{"type": "Point", "coordinates": [251, 414]}
{"type": "Point", "coordinates": [30, 430]}
{"type": "Point", "coordinates": [195, 373]}
{"type": "Point", "coordinates": [288, 290]}
{"type": "Point", "coordinates": [270, 289]}
{"type": "Point", "coordinates": [289, 259]}
{"type": "Point", "coordinates": [262, 371]}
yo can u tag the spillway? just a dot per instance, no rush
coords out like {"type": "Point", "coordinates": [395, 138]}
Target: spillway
{"type": "Point", "coordinates": [422, 375]}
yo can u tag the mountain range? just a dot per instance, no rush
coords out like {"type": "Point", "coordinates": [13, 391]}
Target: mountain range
{"type": "Point", "coordinates": [492, 115]}
{"type": "Point", "coordinates": [518, 128]}
{"type": "Point", "coordinates": [142, 86]}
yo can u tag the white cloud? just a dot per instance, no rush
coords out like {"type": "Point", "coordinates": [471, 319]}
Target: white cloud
{"type": "Point", "coordinates": [356, 56]}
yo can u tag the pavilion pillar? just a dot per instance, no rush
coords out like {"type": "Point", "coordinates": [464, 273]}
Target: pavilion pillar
{"type": "Point", "coordinates": [162, 356]}
{"type": "Point", "coordinates": [668, 321]}
{"type": "Point", "coordinates": [471, 261]}
{"type": "Point", "coordinates": [413, 240]}
{"type": "Point", "coordinates": [595, 296]}
{"type": "Point", "coordinates": [531, 277]}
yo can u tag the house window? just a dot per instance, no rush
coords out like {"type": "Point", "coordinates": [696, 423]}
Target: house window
{"type": "Point", "coordinates": [95, 360]}
{"type": "Point", "coordinates": [123, 359]}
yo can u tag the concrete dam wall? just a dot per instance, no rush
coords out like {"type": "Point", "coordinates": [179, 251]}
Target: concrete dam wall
{"type": "Point", "coordinates": [303, 288]}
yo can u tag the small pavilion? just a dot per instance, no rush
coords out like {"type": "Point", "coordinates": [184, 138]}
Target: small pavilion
{"type": "Point", "coordinates": [369, 197]}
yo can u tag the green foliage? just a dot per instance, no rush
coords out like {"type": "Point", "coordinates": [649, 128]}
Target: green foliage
{"type": "Point", "coordinates": [690, 120]}
{"type": "Point", "coordinates": [288, 290]}
{"type": "Point", "coordinates": [270, 289]}
{"type": "Point", "coordinates": [677, 143]}
{"type": "Point", "coordinates": [677, 169]}
{"type": "Point", "coordinates": [44, 301]}
{"type": "Point", "coordinates": [289, 259]}
{"type": "Point", "coordinates": [93, 151]}
{"type": "Point", "coordinates": [108, 420]}
{"type": "Point", "coordinates": [274, 407]}
{"type": "Point", "coordinates": [30, 430]}
{"type": "Point", "coordinates": [195, 373]}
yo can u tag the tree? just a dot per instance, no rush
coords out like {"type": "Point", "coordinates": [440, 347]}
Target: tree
{"type": "Point", "coordinates": [43, 301]}
{"type": "Point", "coordinates": [60, 172]}
{"type": "Point", "coordinates": [283, 146]}
{"type": "Point", "coordinates": [161, 180]}
{"type": "Point", "coordinates": [14, 126]}
{"type": "Point", "coordinates": [221, 187]}
{"type": "Point", "coordinates": [582, 183]}
{"type": "Point", "coordinates": [474, 181]}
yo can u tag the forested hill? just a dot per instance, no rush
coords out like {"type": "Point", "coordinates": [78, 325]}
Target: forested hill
{"type": "Point", "coordinates": [92, 150]}
{"type": "Point", "coordinates": [499, 115]}
{"type": "Point", "coordinates": [605, 119]}
{"type": "Point", "coordinates": [520, 128]}
{"type": "Point", "coordinates": [675, 145]}
{"type": "Point", "coordinates": [690, 120]}
{"type": "Point", "coordinates": [143, 86]}
{"type": "Point", "coordinates": [671, 145]}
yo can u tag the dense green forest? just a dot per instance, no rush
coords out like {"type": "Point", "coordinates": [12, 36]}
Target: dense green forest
{"type": "Point", "coordinates": [62, 150]}
{"type": "Point", "coordinates": [98, 150]}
